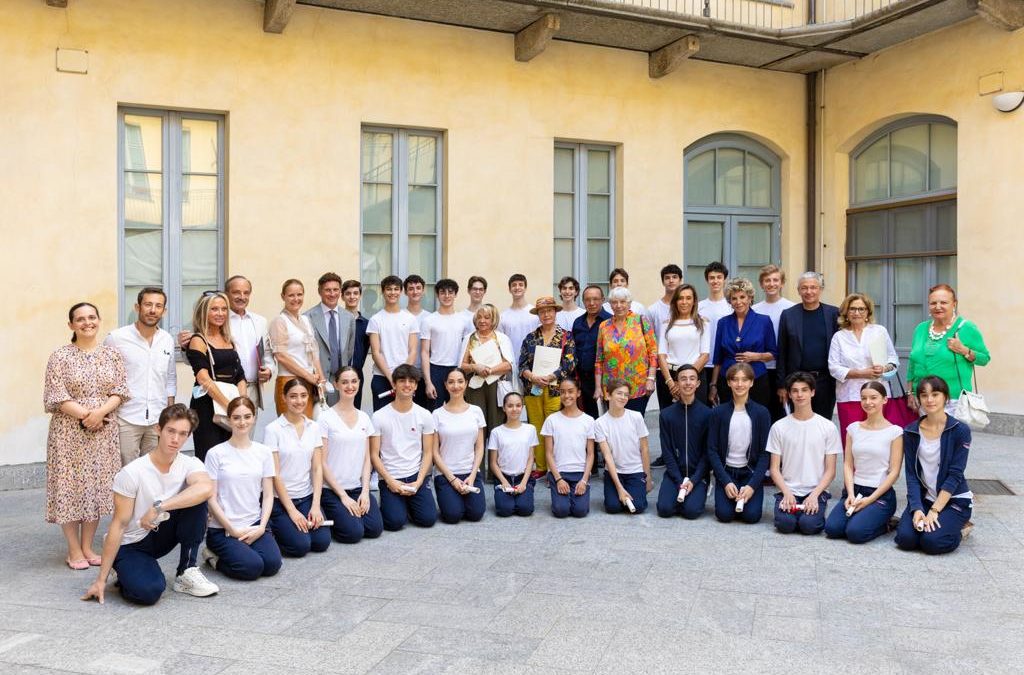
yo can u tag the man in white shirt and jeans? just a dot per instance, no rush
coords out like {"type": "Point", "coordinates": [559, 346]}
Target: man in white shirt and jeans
{"type": "Point", "coordinates": [148, 352]}
{"type": "Point", "coordinates": [394, 339]}
{"type": "Point", "coordinates": [711, 309]}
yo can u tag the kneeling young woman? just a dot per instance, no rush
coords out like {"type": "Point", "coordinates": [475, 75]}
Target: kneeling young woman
{"type": "Point", "coordinates": [569, 446]}
{"type": "Point", "coordinates": [512, 447]}
{"type": "Point", "coordinates": [460, 449]}
{"type": "Point", "coordinates": [622, 437]}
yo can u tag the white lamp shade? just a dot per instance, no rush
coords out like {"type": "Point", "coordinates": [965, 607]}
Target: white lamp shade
{"type": "Point", "coordinates": [1008, 101]}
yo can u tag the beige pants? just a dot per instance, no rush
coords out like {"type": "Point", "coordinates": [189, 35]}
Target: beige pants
{"type": "Point", "coordinates": [136, 440]}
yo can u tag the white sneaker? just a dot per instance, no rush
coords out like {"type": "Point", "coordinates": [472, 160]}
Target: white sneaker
{"type": "Point", "coordinates": [209, 557]}
{"type": "Point", "coordinates": [193, 582]}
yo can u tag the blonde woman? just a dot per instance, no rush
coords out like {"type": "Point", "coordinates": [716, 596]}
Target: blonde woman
{"type": "Point", "coordinates": [488, 396]}
{"type": "Point", "coordinates": [294, 346]}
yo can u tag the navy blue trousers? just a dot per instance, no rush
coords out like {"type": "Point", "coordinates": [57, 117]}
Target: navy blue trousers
{"type": "Point", "coordinates": [294, 543]}
{"type": "Point", "coordinates": [438, 375]}
{"type": "Point", "coordinates": [805, 523]}
{"type": "Point", "coordinates": [455, 506]}
{"type": "Point", "coordinates": [633, 483]}
{"type": "Point", "coordinates": [349, 529]}
{"type": "Point", "coordinates": [246, 562]}
{"type": "Point", "coordinates": [563, 506]}
{"type": "Point", "coordinates": [138, 572]}
{"type": "Point", "coordinates": [945, 539]}
{"type": "Point", "coordinates": [506, 505]}
{"type": "Point", "coordinates": [691, 508]}
{"type": "Point", "coordinates": [378, 385]}
{"type": "Point", "coordinates": [725, 508]}
{"type": "Point", "coordinates": [397, 510]}
{"type": "Point", "coordinates": [864, 525]}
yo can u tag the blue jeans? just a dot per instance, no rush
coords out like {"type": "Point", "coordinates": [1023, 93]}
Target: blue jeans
{"type": "Point", "coordinates": [455, 506]}
{"type": "Point", "coordinates": [864, 525]}
{"type": "Point", "coordinates": [138, 572]}
{"type": "Point", "coordinates": [945, 539]}
{"type": "Point", "coordinates": [349, 529]}
{"type": "Point", "coordinates": [514, 505]}
{"type": "Point", "coordinates": [725, 508]}
{"type": "Point", "coordinates": [806, 523]}
{"type": "Point", "coordinates": [577, 506]}
{"type": "Point", "coordinates": [292, 542]}
{"type": "Point", "coordinates": [239, 560]}
{"type": "Point", "coordinates": [397, 510]}
{"type": "Point", "coordinates": [438, 375]}
{"type": "Point", "coordinates": [633, 483]}
{"type": "Point", "coordinates": [691, 508]}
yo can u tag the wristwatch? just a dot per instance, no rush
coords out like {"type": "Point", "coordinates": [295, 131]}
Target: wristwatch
{"type": "Point", "coordinates": [157, 507]}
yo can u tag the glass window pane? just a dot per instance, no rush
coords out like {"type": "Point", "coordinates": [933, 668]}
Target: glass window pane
{"type": "Point", "coordinates": [189, 297]}
{"type": "Point", "coordinates": [422, 210]}
{"type": "Point", "coordinates": [598, 165]}
{"type": "Point", "coordinates": [199, 257]}
{"type": "Point", "coordinates": [871, 172]}
{"type": "Point", "coordinates": [143, 143]}
{"type": "Point", "coordinates": [910, 230]}
{"type": "Point", "coordinates": [198, 146]}
{"type": "Point", "coordinates": [564, 169]}
{"type": "Point", "coordinates": [375, 259]}
{"type": "Point", "coordinates": [942, 168]}
{"type": "Point", "coordinates": [759, 183]}
{"type": "Point", "coordinates": [598, 215]}
{"type": "Point", "coordinates": [423, 256]}
{"type": "Point", "coordinates": [700, 179]}
{"type": "Point", "coordinates": [563, 215]}
{"type": "Point", "coordinates": [945, 270]}
{"type": "Point", "coordinates": [704, 243]}
{"type": "Point", "coordinates": [143, 258]}
{"type": "Point", "coordinates": [143, 200]}
{"type": "Point", "coordinates": [867, 233]}
{"type": "Point", "coordinates": [377, 153]}
{"type": "Point", "coordinates": [869, 278]}
{"type": "Point", "coordinates": [729, 177]}
{"type": "Point", "coordinates": [911, 286]}
{"type": "Point", "coordinates": [907, 318]}
{"type": "Point", "coordinates": [754, 245]}
{"type": "Point", "coordinates": [199, 201]}
{"type": "Point", "coordinates": [563, 265]}
{"type": "Point", "coordinates": [422, 160]}
{"type": "Point", "coordinates": [945, 227]}
{"type": "Point", "coordinates": [598, 260]}
{"type": "Point", "coordinates": [376, 208]}
{"type": "Point", "coordinates": [128, 314]}
{"type": "Point", "coordinates": [909, 160]}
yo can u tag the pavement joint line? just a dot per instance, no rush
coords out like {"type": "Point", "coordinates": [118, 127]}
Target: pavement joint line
{"type": "Point", "coordinates": [17, 640]}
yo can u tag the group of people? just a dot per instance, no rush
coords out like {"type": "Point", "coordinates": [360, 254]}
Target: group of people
{"type": "Point", "coordinates": [552, 390]}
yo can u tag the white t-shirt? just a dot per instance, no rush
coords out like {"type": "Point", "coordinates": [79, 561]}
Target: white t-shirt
{"type": "Point", "coordinates": [773, 310]}
{"type": "Point", "coordinates": [420, 318]}
{"type": "Point", "coordinates": [681, 343]}
{"type": "Point", "coordinates": [566, 319]}
{"type": "Point", "coordinates": [803, 445]}
{"type": "Point", "coordinates": [929, 455]}
{"type": "Point", "coordinates": [445, 332]}
{"type": "Point", "coordinates": [623, 434]}
{"type": "Point", "coordinates": [346, 446]}
{"type": "Point", "coordinates": [401, 438]}
{"type": "Point", "coordinates": [712, 311]}
{"type": "Point", "coordinates": [871, 452]}
{"type": "Point", "coordinates": [295, 454]}
{"type": "Point", "coordinates": [144, 483]}
{"type": "Point", "coordinates": [393, 328]}
{"type": "Point", "coordinates": [517, 324]}
{"type": "Point", "coordinates": [239, 475]}
{"type": "Point", "coordinates": [634, 306]}
{"type": "Point", "coordinates": [740, 434]}
{"type": "Point", "coordinates": [657, 314]}
{"type": "Point", "coordinates": [569, 436]}
{"type": "Point", "coordinates": [456, 436]}
{"type": "Point", "coordinates": [514, 447]}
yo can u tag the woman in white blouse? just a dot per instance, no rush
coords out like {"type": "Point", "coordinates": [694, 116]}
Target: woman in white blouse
{"type": "Point", "coordinates": [850, 359]}
{"type": "Point", "coordinates": [460, 448]}
{"type": "Point", "coordinates": [294, 346]}
{"type": "Point", "coordinates": [296, 519]}
{"type": "Point", "coordinates": [684, 338]}
{"type": "Point", "coordinates": [489, 397]}
{"type": "Point", "coordinates": [346, 433]}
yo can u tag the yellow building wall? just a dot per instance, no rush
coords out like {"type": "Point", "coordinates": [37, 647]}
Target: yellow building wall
{"type": "Point", "coordinates": [939, 74]}
{"type": "Point", "coordinates": [295, 104]}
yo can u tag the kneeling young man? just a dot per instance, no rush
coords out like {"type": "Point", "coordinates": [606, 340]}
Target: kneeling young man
{"type": "Point", "coordinates": [401, 450]}
{"type": "Point", "coordinates": [803, 446]}
{"type": "Point", "coordinates": [684, 437]}
{"type": "Point", "coordinates": [159, 503]}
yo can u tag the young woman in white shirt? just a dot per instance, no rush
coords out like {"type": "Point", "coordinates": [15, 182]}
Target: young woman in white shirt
{"type": "Point", "coordinates": [871, 465]}
{"type": "Point", "coordinates": [296, 519]}
{"type": "Point", "coordinates": [460, 449]}
{"type": "Point", "coordinates": [294, 345]}
{"type": "Point", "coordinates": [238, 544]}
{"type": "Point", "coordinates": [511, 447]}
{"type": "Point", "coordinates": [346, 497]}
{"type": "Point", "coordinates": [622, 437]}
{"type": "Point", "coordinates": [684, 338]}
{"type": "Point", "coordinates": [569, 444]}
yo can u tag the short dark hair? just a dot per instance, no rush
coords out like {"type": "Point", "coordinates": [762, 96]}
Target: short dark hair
{"type": "Point", "coordinates": [594, 287]}
{"type": "Point", "coordinates": [150, 290]}
{"type": "Point", "coordinates": [351, 283]}
{"type": "Point", "coordinates": [475, 279]}
{"type": "Point", "coordinates": [618, 383]}
{"type": "Point", "coordinates": [178, 411]}
{"type": "Point", "coordinates": [716, 267]}
{"type": "Point", "coordinates": [671, 268]}
{"type": "Point", "coordinates": [446, 285]}
{"type": "Point", "coordinates": [737, 369]}
{"type": "Point", "coordinates": [800, 376]}
{"type": "Point", "coordinates": [685, 367]}
{"type": "Point", "coordinates": [406, 372]}
{"type": "Point", "coordinates": [233, 278]}
{"type": "Point", "coordinates": [327, 278]}
{"type": "Point", "coordinates": [389, 281]}
{"type": "Point", "coordinates": [295, 382]}
{"type": "Point", "coordinates": [934, 383]}
{"type": "Point", "coordinates": [509, 395]}
{"type": "Point", "coordinates": [875, 386]}
{"type": "Point", "coordinates": [518, 276]}
{"type": "Point", "coordinates": [74, 308]}
{"type": "Point", "coordinates": [569, 280]}
{"type": "Point", "coordinates": [618, 272]}
{"type": "Point", "coordinates": [413, 279]}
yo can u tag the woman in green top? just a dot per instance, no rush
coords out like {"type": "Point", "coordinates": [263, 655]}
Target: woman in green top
{"type": "Point", "coordinates": [947, 346]}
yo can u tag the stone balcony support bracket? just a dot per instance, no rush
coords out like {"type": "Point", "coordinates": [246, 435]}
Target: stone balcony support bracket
{"type": "Point", "coordinates": [277, 14]}
{"type": "Point", "coordinates": [1004, 14]}
{"type": "Point", "coordinates": [534, 39]}
{"type": "Point", "coordinates": [663, 61]}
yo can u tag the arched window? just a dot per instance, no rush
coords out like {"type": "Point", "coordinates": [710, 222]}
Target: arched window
{"type": "Point", "coordinates": [901, 224]}
{"type": "Point", "coordinates": [732, 207]}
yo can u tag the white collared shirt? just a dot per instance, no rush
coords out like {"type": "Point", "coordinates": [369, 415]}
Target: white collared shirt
{"type": "Point", "coordinates": [248, 332]}
{"type": "Point", "coordinates": [152, 377]}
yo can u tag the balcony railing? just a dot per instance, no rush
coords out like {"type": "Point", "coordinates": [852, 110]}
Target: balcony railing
{"type": "Point", "coordinates": [771, 14]}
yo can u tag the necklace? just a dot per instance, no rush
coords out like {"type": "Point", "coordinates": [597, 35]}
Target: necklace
{"type": "Point", "coordinates": [939, 334]}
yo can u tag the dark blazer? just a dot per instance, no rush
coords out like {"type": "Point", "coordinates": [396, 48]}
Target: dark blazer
{"type": "Point", "coordinates": [685, 453]}
{"type": "Point", "coordinates": [718, 442]}
{"type": "Point", "coordinates": [790, 345]}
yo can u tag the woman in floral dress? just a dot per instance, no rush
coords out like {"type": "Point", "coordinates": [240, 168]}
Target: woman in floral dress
{"type": "Point", "coordinates": [85, 384]}
{"type": "Point", "coordinates": [626, 350]}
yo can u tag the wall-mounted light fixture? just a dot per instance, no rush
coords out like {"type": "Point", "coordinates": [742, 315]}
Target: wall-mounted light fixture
{"type": "Point", "coordinates": [1008, 101]}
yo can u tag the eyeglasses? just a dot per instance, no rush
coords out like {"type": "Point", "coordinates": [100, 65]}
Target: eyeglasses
{"type": "Point", "coordinates": [857, 309]}
{"type": "Point", "coordinates": [207, 294]}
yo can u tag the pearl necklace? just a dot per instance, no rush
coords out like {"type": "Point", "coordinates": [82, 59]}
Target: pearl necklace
{"type": "Point", "coordinates": [938, 335]}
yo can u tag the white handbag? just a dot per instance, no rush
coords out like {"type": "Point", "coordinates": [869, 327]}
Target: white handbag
{"type": "Point", "coordinates": [971, 407]}
{"type": "Point", "coordinates": [229, 390]}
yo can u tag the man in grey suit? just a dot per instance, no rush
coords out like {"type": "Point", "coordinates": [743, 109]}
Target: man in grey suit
{"type": "Point", "coordinates": [335, 331]}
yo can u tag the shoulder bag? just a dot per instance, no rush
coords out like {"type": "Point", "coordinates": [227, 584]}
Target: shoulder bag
{"type": "Point", "coordinates": [971, 406]}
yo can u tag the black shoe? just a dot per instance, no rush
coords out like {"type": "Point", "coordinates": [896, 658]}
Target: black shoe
{"type": "Point", "coordinates": [658, 463]}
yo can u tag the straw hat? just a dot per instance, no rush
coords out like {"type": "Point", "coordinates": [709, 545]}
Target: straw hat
{"type": "Point", "coordinates": [545, 302]}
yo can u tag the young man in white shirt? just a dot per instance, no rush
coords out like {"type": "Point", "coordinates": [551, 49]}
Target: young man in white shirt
{"type": "Point", "coordinates": [159, 504]}
{"type": "Point", "coordinates": [441, 334]}
{"type": "Point", "coordinates": [394, 339]}
{"type": "Point", "coordinates": [803, 448]}
{"type": "Point", "coordinates": [517, 322]}
{"type": "Point", "coordinates": [333, 329]}
{"type": "Point", "coordinates": [772, 279]}
{"type": "Point", "coordinates": [414, 287]}
{"type": "Point", "coordinates": [569, 292]}
{"type": "Point", "coordinates": [711, 309]}
{"type": "Point", "coordinates": [148, 352]}
{"type": "Point", "coordinates": [401, 450]}
{"type": "Point", "coordinates": [657, 314]}
{"type": "Point", "coordinates": [477, 289]}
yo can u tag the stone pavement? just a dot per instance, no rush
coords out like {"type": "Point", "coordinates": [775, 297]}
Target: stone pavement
{"type": "Point", "coordinates": [604, 594]}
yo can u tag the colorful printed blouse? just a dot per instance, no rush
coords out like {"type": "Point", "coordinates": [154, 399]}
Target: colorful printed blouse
{"type": "Point", "coordinates": [628, 352]}
{"type": "Point", "coordinates": [562, 339]}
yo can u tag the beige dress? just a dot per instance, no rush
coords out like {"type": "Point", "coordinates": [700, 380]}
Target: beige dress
{"type": "Point", "coordinates": [80, 464]}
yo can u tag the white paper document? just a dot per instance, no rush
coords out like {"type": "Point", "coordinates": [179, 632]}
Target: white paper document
{"type": "Point", "coordinates": [878, 350]}
{"type": "Point", "coordinates": [546, 360]}
{"type": "Point", "coordinates": [485, 354]}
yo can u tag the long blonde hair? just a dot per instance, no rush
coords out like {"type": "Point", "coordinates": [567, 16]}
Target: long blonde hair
{"type": "Point", "coordinates": [201, 312]}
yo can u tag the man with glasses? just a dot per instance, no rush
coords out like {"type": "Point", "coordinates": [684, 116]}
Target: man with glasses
{"type": "Point", "coordinates": [805, 335]}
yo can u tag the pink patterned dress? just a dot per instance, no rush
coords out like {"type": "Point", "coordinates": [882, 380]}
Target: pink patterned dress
{"type": "Point", "coordinates": [80, 464]}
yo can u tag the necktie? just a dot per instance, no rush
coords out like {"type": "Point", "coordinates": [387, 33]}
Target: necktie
{"type": "Point", "coordinates": [332, 337]}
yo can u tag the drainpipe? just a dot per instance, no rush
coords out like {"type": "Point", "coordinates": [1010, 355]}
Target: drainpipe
{"type": "Point", "coordinates": [811, 98]}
